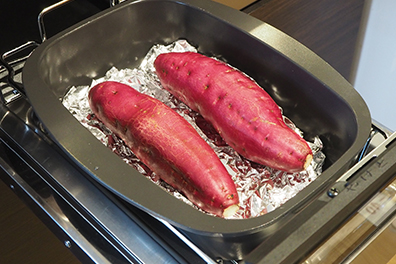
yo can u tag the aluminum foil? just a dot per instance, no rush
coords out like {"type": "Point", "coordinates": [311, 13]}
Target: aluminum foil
{"type": "Point", "coordinates": [261, 189]}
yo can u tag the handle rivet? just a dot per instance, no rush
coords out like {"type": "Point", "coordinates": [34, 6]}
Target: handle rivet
{"type": "Point", "coordinates": [333, 192]}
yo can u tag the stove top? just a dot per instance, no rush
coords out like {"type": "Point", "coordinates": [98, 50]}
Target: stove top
{"type": "Point", "coordinates": [94, 224]}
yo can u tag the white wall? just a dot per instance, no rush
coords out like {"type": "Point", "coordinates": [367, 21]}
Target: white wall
{"type": "Point", "coordinates": [375, 77]}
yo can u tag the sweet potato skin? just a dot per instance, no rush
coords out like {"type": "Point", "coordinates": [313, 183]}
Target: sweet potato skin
{"type": "Point", "coordinates": [166, 143]}
{"type": "Point", "coordinates": [247, 118]}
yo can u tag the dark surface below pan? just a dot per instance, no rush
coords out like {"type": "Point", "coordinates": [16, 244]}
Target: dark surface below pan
{"type": "Point", "coordinates": [316, 97]}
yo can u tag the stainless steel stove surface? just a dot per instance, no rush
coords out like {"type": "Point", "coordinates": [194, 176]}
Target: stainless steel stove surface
{"type": "Point", "coordinates": [94, 224]}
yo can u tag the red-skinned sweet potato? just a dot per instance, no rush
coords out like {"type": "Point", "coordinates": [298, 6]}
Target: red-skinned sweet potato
{"type": "Point", "coordinates": [167, 144]}
{"type": "Point", "coordinates": [246, 117]}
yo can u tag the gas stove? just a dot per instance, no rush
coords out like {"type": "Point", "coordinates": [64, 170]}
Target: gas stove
{"type": "Point", "coordinates": [98, 226]}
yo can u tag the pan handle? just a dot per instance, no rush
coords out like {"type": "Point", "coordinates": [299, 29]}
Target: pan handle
{"type": "Point", "coordinates": [45, 11]}
{"type": "Point", "coordinates": [40, 18]}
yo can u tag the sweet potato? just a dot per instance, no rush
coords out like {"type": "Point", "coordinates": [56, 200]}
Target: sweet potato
{"type": "Point", "coordinates": [165, 142]}
{"type": "Point", "coordinates": [245, 115]}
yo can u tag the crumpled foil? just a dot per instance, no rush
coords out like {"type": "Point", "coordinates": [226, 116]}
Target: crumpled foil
{"type": "Point", "coordinates": [261, 189]}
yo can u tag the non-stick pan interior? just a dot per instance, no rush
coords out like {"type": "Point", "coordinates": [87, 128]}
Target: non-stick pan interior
{"type": "Point", "coordinates": [310, 92]}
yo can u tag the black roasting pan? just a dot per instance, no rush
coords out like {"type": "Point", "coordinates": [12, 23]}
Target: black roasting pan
{"type": "Point", "coordinates": [315, 96]}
